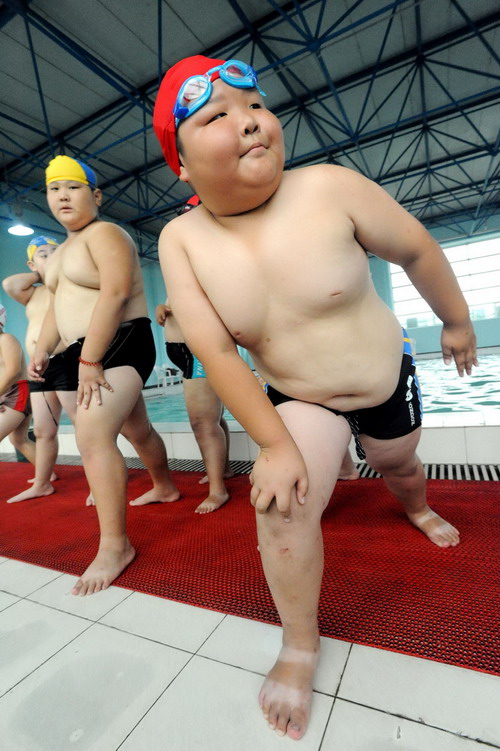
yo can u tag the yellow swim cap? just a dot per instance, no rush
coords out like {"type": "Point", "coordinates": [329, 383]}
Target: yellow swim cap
{"type": "Point", "coordinates": [66, 168]}
{"type": "Point", "coordinates": [36, 243]}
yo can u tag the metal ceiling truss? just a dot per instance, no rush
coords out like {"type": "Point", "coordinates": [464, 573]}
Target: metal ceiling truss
{"type": "Point", "coordinates": [380, 136]}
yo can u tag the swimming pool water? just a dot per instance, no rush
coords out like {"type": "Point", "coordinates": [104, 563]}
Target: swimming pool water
{"type": "Point", "coordinates": [442, 391]}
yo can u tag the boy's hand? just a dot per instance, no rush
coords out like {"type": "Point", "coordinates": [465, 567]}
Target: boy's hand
{"type": "Point", "coordinates": [37, 366]}
{"type": "Point", "coordinates": [279, 474]}
{"type": "Point", "coordinates": [90, 380]}
{"type": "Point", "coordinates": [459, 342]}
{"type": "Point", "coordinates": [161, 314]}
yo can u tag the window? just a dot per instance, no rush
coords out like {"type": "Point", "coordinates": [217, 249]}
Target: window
{"type": "Point", "coordinates": [477, 268]}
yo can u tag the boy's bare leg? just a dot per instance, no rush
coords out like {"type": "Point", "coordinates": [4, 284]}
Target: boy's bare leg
{"type": "Point", "coordinates": [292, 557]}
{"type": "Point", "coordinates": [18, 434]}
{"type": "Point", "coordinates": [228, 472]}
{"type": "Point", "coordinates": [97, 430]}
{"type": "Point", "coordinates": [348, 470]}
{"type": "Point", "coordinates": [205, 410]}
{"type": "Point", "coordinates": [46, 413]}
{"type": "Point", "coordinates": [151, 450]}
{"type": "Point", "coordinates": [404, 475]}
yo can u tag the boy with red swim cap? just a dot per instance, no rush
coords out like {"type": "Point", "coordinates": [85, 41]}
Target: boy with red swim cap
{"type": "Point", "coordinates": [278, 262]}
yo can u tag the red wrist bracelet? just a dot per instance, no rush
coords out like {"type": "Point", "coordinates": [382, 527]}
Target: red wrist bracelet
{"type": "Point", "coordinates": [90, 364]}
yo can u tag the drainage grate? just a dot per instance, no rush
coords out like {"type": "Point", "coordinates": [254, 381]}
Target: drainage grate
{"type": "Point", "coordinates": [489, 472]}
{"type": "Point", "coordinates": [448, 471]}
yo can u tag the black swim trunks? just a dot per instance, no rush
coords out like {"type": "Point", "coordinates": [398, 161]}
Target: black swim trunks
{"type": "Point", "coordinates": [400, 415]}
{"type": "Point", "coordinates": [56, 377]}
{"type": "Point", "coordinates": [133, 345]}
{"type": "Point", "coordinates": [180, 354]}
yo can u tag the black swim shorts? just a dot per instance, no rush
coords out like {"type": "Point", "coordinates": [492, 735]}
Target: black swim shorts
{"type": "Point", "coordinates": [189, 365]}
{"type": "Point", "coordinates": [400, 415]}
{"type": "Point", "coordinates": [133, 345]}
{"type": "Point", "coordinates": [57, 376]}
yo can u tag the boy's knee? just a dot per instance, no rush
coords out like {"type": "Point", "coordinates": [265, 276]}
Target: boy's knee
{"type": "Point", "coordinates": [395, 466]}
{"type": "Point", "coordinates": [45, 433]}
{"type": "Point", "coordinates": [202, 427]}
{"type": "Point", "coordinates": [137, 436]}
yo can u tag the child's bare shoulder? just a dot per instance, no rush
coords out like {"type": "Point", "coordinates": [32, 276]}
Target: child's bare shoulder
{"type": "Point", "coordinates": [177, 232]}
{"type": "Point", "coordinates": [329, 176]}
{"type": "Point", "coordinates": [106, 229]}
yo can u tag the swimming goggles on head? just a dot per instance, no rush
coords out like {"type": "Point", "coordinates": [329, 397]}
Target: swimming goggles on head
{"type": "Point", "coordinates": [197, 90]}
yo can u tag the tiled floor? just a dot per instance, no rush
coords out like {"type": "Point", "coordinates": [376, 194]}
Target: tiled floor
{"type": "Point", "coordinates": [123, 670]}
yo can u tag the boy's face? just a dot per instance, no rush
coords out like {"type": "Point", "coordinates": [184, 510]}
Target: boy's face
{"type": "Point", "coordinates": [231, 143]}
{"type": "Point", "coordinates": [40, 258]}
{"type": "Point", "coordinates": [72, 203]}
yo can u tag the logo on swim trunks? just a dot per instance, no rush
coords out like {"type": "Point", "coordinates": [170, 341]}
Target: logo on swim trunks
{"type": "Point", "coordinates": [409, 383]}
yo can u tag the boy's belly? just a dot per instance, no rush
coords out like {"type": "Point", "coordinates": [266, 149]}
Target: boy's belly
{"type": "Point", "coordinates": [74, 309]}
{"type": "Point", "coordinates": [351, 368]}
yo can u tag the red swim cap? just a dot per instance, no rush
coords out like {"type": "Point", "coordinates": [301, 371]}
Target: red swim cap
{"type": "Point", "coordinates": [163, 115]}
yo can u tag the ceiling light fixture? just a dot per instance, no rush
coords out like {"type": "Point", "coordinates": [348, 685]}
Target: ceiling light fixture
{"type": "Point", "coordinates": [18, 227]}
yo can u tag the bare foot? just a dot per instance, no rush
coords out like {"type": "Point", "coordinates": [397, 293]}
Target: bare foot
{"type": "Point", "coordinates": [212, 503]}
{"type": "Point", "coordinates": [104, 569]}
{"type": "Point", "coordinates": [285, 697]}
{"type": "Point", "coordinates": [53, 478]}
{"type": "Point", "coordinates": [437, 529]}
{"type": "Point", "coordinates": [353, 475]}
{"type": "Point", "coordinates": [226, 476]}
{"type": "Point", "coordinates": [36, 491]}
{"type": "Point", "coordinates": [168, 494]}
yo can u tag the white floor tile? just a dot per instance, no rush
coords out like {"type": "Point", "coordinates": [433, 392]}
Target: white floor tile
{"type": "Point", "coordinates": [22, 579]}
{"type": "Point", "coordinates": [90, 695]}
{"type": "Point", "coordinates": [57, 594]}
{"type": "Point", "coordinates": [254, 646]}
{"type": "Point", "coordinates": [483, 445]}
{"type": "Point", "coordinates": [7, 600]}
{"type": "Point", "coordinates": [2, 560]}
{"type": "Point", "coordinates": [443, 445]}
{"type": "Point", "coordinates": [352, 728]}
{"type": "Point", "coordinates": [30, 634]}
{"type": "Point", "coordinates": [214, 707]}
{"type": "Point", "coordinates": [460, 701]}
{"type": "Point", "coordinates": [173, 623]}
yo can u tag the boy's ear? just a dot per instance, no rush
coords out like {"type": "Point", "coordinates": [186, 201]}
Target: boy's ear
{"type": "Point", "coordinates": [184, 175]}
{"type": "Point", "coordinates": [98, 196]}
{"type": "Point", "coordinates": [30, 265]}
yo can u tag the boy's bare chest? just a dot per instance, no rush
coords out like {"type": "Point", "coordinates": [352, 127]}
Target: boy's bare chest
{"type": "Point", "coordinates": [78, 267]}
{"type": "Point", "coordinates": [301, 275]}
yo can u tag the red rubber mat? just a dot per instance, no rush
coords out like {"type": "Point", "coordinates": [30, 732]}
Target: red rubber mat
{"type": "Point", "coordinates": [385, 584]}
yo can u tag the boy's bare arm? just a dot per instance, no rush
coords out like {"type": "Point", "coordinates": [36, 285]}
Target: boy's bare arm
{"type": "Point", "coordinates": [387, 230]}
{"type": "Point", "coordinates": [13, 358]}
{"type": "Point", "coordinates": [113, 253]}
{"type": "Point", "coordinates": [279, 471]}
{"type": "Point", "coordinates": [20, 286]}
{"type": "Point", "coordinates": [46, 344]}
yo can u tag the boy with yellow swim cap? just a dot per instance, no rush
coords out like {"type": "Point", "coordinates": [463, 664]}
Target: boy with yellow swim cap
{"type": "Point", "coordinates": [99, 312]}
{"type": "Point", "coordinates": [277, 262]}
